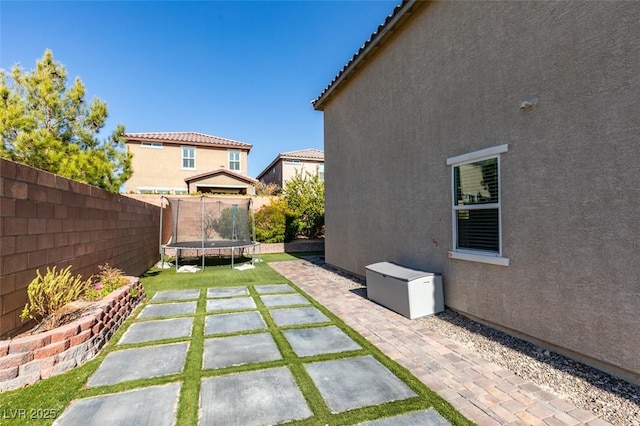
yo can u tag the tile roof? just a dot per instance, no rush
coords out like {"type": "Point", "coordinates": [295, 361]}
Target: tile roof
{"type": "Point", "coordinates": [304, 154]}
{"type": "Point", "coordinates": [394, 20]}
{"type": "Point", "coordinates": [193, 138]}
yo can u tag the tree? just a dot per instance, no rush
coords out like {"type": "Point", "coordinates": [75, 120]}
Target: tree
{"type": "Point", "coordinates": [304, 195]}
{"type": "Point", "coordinates": [46, 125]}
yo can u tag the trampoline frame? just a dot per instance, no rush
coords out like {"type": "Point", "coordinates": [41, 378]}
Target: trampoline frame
{"type": "Point", "coordinates": [209, 246]}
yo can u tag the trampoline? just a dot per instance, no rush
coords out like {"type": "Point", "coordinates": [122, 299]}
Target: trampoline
{"type": "Point", "coordinates": [206, 225]}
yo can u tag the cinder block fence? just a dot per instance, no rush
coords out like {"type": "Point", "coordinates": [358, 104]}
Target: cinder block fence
{"type": "Point", "coordinates": [47, 220]}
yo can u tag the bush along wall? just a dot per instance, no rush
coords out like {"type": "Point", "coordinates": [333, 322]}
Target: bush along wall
{"type": "Point", "coordinates": [28, 359]}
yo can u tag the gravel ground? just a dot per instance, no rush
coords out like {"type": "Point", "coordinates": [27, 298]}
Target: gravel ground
{"type": "Point", "coordinates": [608, 397]}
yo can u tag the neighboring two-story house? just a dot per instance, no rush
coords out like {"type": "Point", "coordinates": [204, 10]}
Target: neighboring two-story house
{"type": "Point", "coordinates": [188, 162]}
{"type": "Point", "coordinates": [287, 164]}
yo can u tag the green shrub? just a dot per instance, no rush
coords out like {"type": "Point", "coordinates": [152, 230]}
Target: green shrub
{"type": "Point", "coordinates": [48, 294]}
{"type": "Point", "coordinates": [108, 280]}
{"type": "Point", "coordinates": [304, 195]}
{"type": "Point", "coordinates": [232, 224]}
{"type": "Point", "coordinates": [271, 221]}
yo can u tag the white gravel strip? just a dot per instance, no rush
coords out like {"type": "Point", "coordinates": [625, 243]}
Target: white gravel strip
{"type": "Point", "coordinates": [610, 398]}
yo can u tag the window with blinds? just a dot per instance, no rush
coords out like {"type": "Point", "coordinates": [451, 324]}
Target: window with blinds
{"type": "Point", "coordinates": [477, 205]}
{"type": "Point", "coordinates": [476, 208]}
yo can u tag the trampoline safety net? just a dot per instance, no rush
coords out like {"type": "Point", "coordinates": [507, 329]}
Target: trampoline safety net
{"type": "Point", "coordinates": [207, 224]}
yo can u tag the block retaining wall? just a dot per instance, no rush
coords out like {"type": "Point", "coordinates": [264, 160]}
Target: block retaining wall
{"type": "Point", "coordinates": [26, 360]}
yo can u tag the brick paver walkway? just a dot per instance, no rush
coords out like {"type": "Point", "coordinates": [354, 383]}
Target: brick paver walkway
{"type": "Point", "coordinates": [481, 390]}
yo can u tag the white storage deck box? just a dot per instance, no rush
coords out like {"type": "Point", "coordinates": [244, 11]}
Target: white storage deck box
{"type": "Point", "coordinates": [409, 292]}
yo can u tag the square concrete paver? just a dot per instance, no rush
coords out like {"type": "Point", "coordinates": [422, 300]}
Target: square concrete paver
{"type": "Point", "coordinates": [150, 331]}
{"type": "Point", "coordinates": [428, 417]}
{"type": "Point", "coordinates": [297, 316]}
{"type": "Point", "coordinates": [230, 304]}
{"type": "Point", "coordinates": [140, 363]}
{"type": "Point", "coordinates": [227, 292]}
{"type": "Point", "coordinates": [222, 352]}
{"type": "Point", "coordinates": [164, 296]}
{"type": "Point", "coordinates": [284, 300]}
{"type": "Point", "coordinates": [168, 310]}
{"type": "Point", "coordinates": [357, 382]}
{"type": "Point", "coordinates": [230, 323]}
{"type": "Point", "coordinates": [321, 340]}
{"type": "Point", "coordinates": [274, 288]}
{"type": "Point", "coordinates": [254, 398]}
{"type": "Point", "coordinates": [154, 405]}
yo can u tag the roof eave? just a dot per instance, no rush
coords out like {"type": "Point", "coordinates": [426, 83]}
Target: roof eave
{"type": "Point", "coordinates": [400, 14]}
{"type": "Point", "coordinates": [272, 164]}
{"type": "Point", "coordinates": [245, 146]}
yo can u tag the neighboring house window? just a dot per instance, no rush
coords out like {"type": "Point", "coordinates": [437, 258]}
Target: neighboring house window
{"type": "Point", "coordinates": [477, 233]}
{"type": "Point", "coordinates": [234, 160]}
{"type": "Point", "coordinates": [321, 172]}
{"type": "Point", "coordinates": [151, 145]}
{"type": "Point", "coordinates": [154, 191]}
{"type": "Point", "coordinates": [188, 157]}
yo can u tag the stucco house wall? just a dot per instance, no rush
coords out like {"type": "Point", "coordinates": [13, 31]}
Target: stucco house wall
{"type": "Point", "coordinates": [290, 168]}
{"type": "Point", "coordinates": [450, 81]}
{"type": "Point", "coordinates": [273, 175]}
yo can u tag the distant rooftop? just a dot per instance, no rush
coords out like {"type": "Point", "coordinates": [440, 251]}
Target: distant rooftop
{"type": "Point", "coordinates": [193, 138]}
{"type": "Point", "coordinates": [311, 154]}
{"type": "Point", "coordinates": [303, 154]}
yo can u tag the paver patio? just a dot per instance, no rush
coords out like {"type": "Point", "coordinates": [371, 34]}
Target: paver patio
{"type": "Point", "coordinates": [481, 390]}
{"type": "Point", "coordinates": [266, 394]}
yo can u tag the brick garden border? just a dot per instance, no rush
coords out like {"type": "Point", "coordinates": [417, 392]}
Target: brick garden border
{"type": "Point", "coordinates": [26, 360]}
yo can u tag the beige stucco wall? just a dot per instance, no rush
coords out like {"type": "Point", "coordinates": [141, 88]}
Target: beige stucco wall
{"type": "Point", "coordinates": [289, 169]}
{"type": "Point", "coordinates": [162, 167]}
{"type": "Point", "coordinates": [451, 82]}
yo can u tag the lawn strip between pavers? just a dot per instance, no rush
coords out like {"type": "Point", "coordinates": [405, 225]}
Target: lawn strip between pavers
{"type": "Point", "coordinates": [190, 392]}
{"type": "Point", "coordinates": [309, 391]}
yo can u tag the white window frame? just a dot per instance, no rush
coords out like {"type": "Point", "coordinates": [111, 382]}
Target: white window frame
{"type": "Point", "coordinates": [183, 157]}
{"type": "Point", "coordinates": [239, 160]}
{"type": "Point", "coordinates": [155, 145]}
{"type": "Point", "coordinates": [481, 256]}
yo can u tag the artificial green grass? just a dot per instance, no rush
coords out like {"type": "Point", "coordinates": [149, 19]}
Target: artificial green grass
{"type": "Point", "coordinates": [58, 392]}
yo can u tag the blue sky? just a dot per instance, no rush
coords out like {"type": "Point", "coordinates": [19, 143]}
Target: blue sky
{"type": "Point", "coordinates": [243, 70]}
